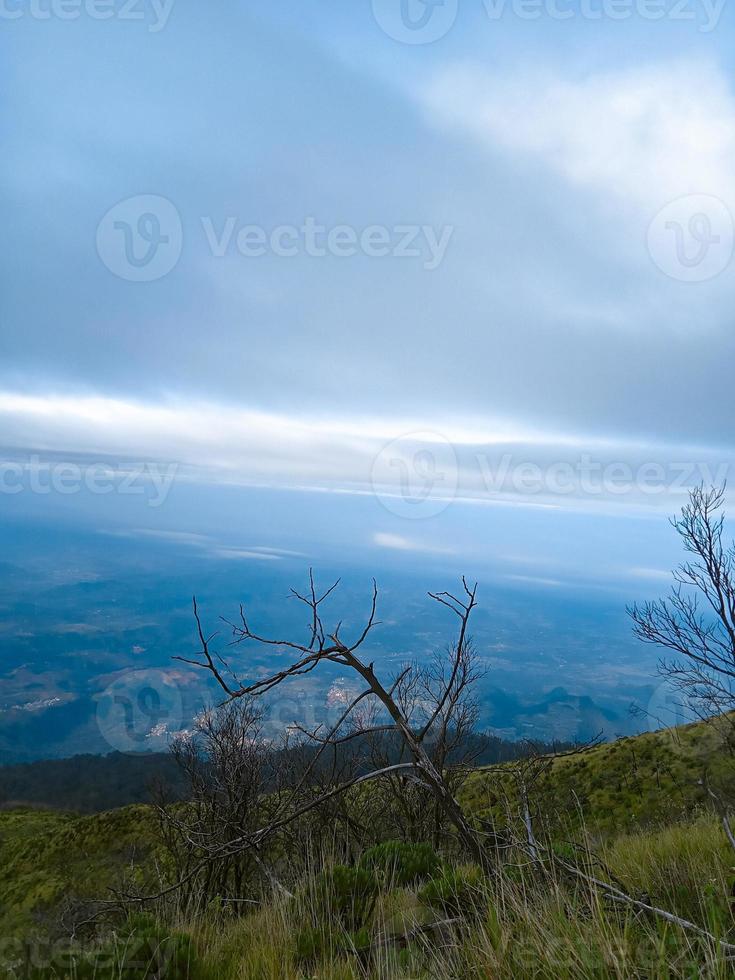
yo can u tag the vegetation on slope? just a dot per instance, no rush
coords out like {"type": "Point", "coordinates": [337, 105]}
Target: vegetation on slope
{"type": "Point", "coordinates": [456, 923]}
{"type": "Point", "coordinates": [49, 860]}
{"type": "Point", "coordinates": [640, 799]}
{"type": "Point", "coordinates": [650, 779]}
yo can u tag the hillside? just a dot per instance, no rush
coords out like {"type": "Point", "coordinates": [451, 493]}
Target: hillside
{"type": "Point", "coordinates": [48, 858]}
{"type": "Point", "coordinates": [654, 778]}
{"type": "Point", "coordinates": [639, 797]}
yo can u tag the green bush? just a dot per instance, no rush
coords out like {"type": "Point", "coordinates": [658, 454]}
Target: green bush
{"type": "Point", "coordinates": [141, 949]}
{"type": "Point", "coordinates": [324, 942]}
{"type": "Point", "coordinates": [455, 891]}
{"type": "Point", "coordinates": [349, 892]}
{"type": "Point", "coordinates": [400, 863]}
{"type": "Point", "coordinates": [312, 944]}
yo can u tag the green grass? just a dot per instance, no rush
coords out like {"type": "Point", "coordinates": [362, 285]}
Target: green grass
{"type": "Point", "coordinates": [519, 928]}
{"type": "Point", "coordinates": [638, 805]}
{"type": "Point", "coordinates": [48, 857]}
{"type": "Point", "coordinates": [634, 782]}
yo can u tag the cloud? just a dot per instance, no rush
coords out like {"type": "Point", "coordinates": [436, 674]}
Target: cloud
{"type": "Point", "coordinates": [535, 580]}
{"type": "Point", "coordinates": [546, 322]}
{"type": "Point", "coordinates": [244, 554]}
{"type": "Point", "coordinates": [638, 136]}
{"type": "Point", "coordinates": [654, 574]}
{"type": "Point", "coordinates": [396, 542]}
{"type": "Point", "coordinates": [208, 544]}
{"type": "Point", "coordinates": [173, 537]}
{"type": "Point", "coordinates": [546, 311]}
{"type": "Point", "coordinates": [398, 461]}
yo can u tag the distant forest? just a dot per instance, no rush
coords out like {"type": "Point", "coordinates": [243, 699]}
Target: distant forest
{"type": "Point", "coordinates": [93, 783]}
{"type": "Point", "coordinates": [87, 783]}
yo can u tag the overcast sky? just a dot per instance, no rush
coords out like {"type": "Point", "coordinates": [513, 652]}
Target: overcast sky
{"type": "Point", "coordinates": [512, 240]}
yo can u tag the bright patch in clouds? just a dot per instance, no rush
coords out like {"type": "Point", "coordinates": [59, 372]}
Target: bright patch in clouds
{"type": "Point", "coordinates": [209, 545]}
{"type": "Point", "coordinates": [655, 574]}
{"type": "Point", "coordinates": [398, 542]}
{"type": "Point", "coordinates": [550, 583]}
{"type": "Point", "coordinates": [644, 135]}
{"type": "Point", "coordinates": [402, 463]}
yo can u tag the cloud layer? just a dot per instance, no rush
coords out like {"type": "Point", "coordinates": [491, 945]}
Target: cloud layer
{"type": "Point", "coordinates": [547, 331]}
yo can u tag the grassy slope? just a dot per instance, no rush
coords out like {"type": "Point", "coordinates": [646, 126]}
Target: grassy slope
{"type": "Point", "coordinates": [653, 778]}
{"type": "Point", "coordinates": [623, 787]}
{"type": "Point", "coordinates": [553, 932]}
{"type": "Point", "coordinates": [47, 856]}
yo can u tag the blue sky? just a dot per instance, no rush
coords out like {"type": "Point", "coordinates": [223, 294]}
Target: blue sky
{"type": "Point", "coordinates": [535, 168]}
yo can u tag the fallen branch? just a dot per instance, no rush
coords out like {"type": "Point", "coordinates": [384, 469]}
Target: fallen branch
{"type": "Point", "coordinates": [620, 896]}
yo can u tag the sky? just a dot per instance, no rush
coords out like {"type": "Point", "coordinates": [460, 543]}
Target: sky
{"type": "Point", "coordinates": [447, 279]}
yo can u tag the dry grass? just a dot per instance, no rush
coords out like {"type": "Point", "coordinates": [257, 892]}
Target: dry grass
{"type": "Point", "coordinates": [523, 926]}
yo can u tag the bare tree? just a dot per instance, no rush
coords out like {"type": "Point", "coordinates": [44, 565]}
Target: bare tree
{"type": "Point", "coordinates": [237, 782]}
{"type": "Point", "coordinates": [227, 767]}
{"type": "Point", "coordinates": [379, 708]}
{"type": "Point", "coordinates": [696, 623]}
{"type": "Point", "coordinates": [452, 742]}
